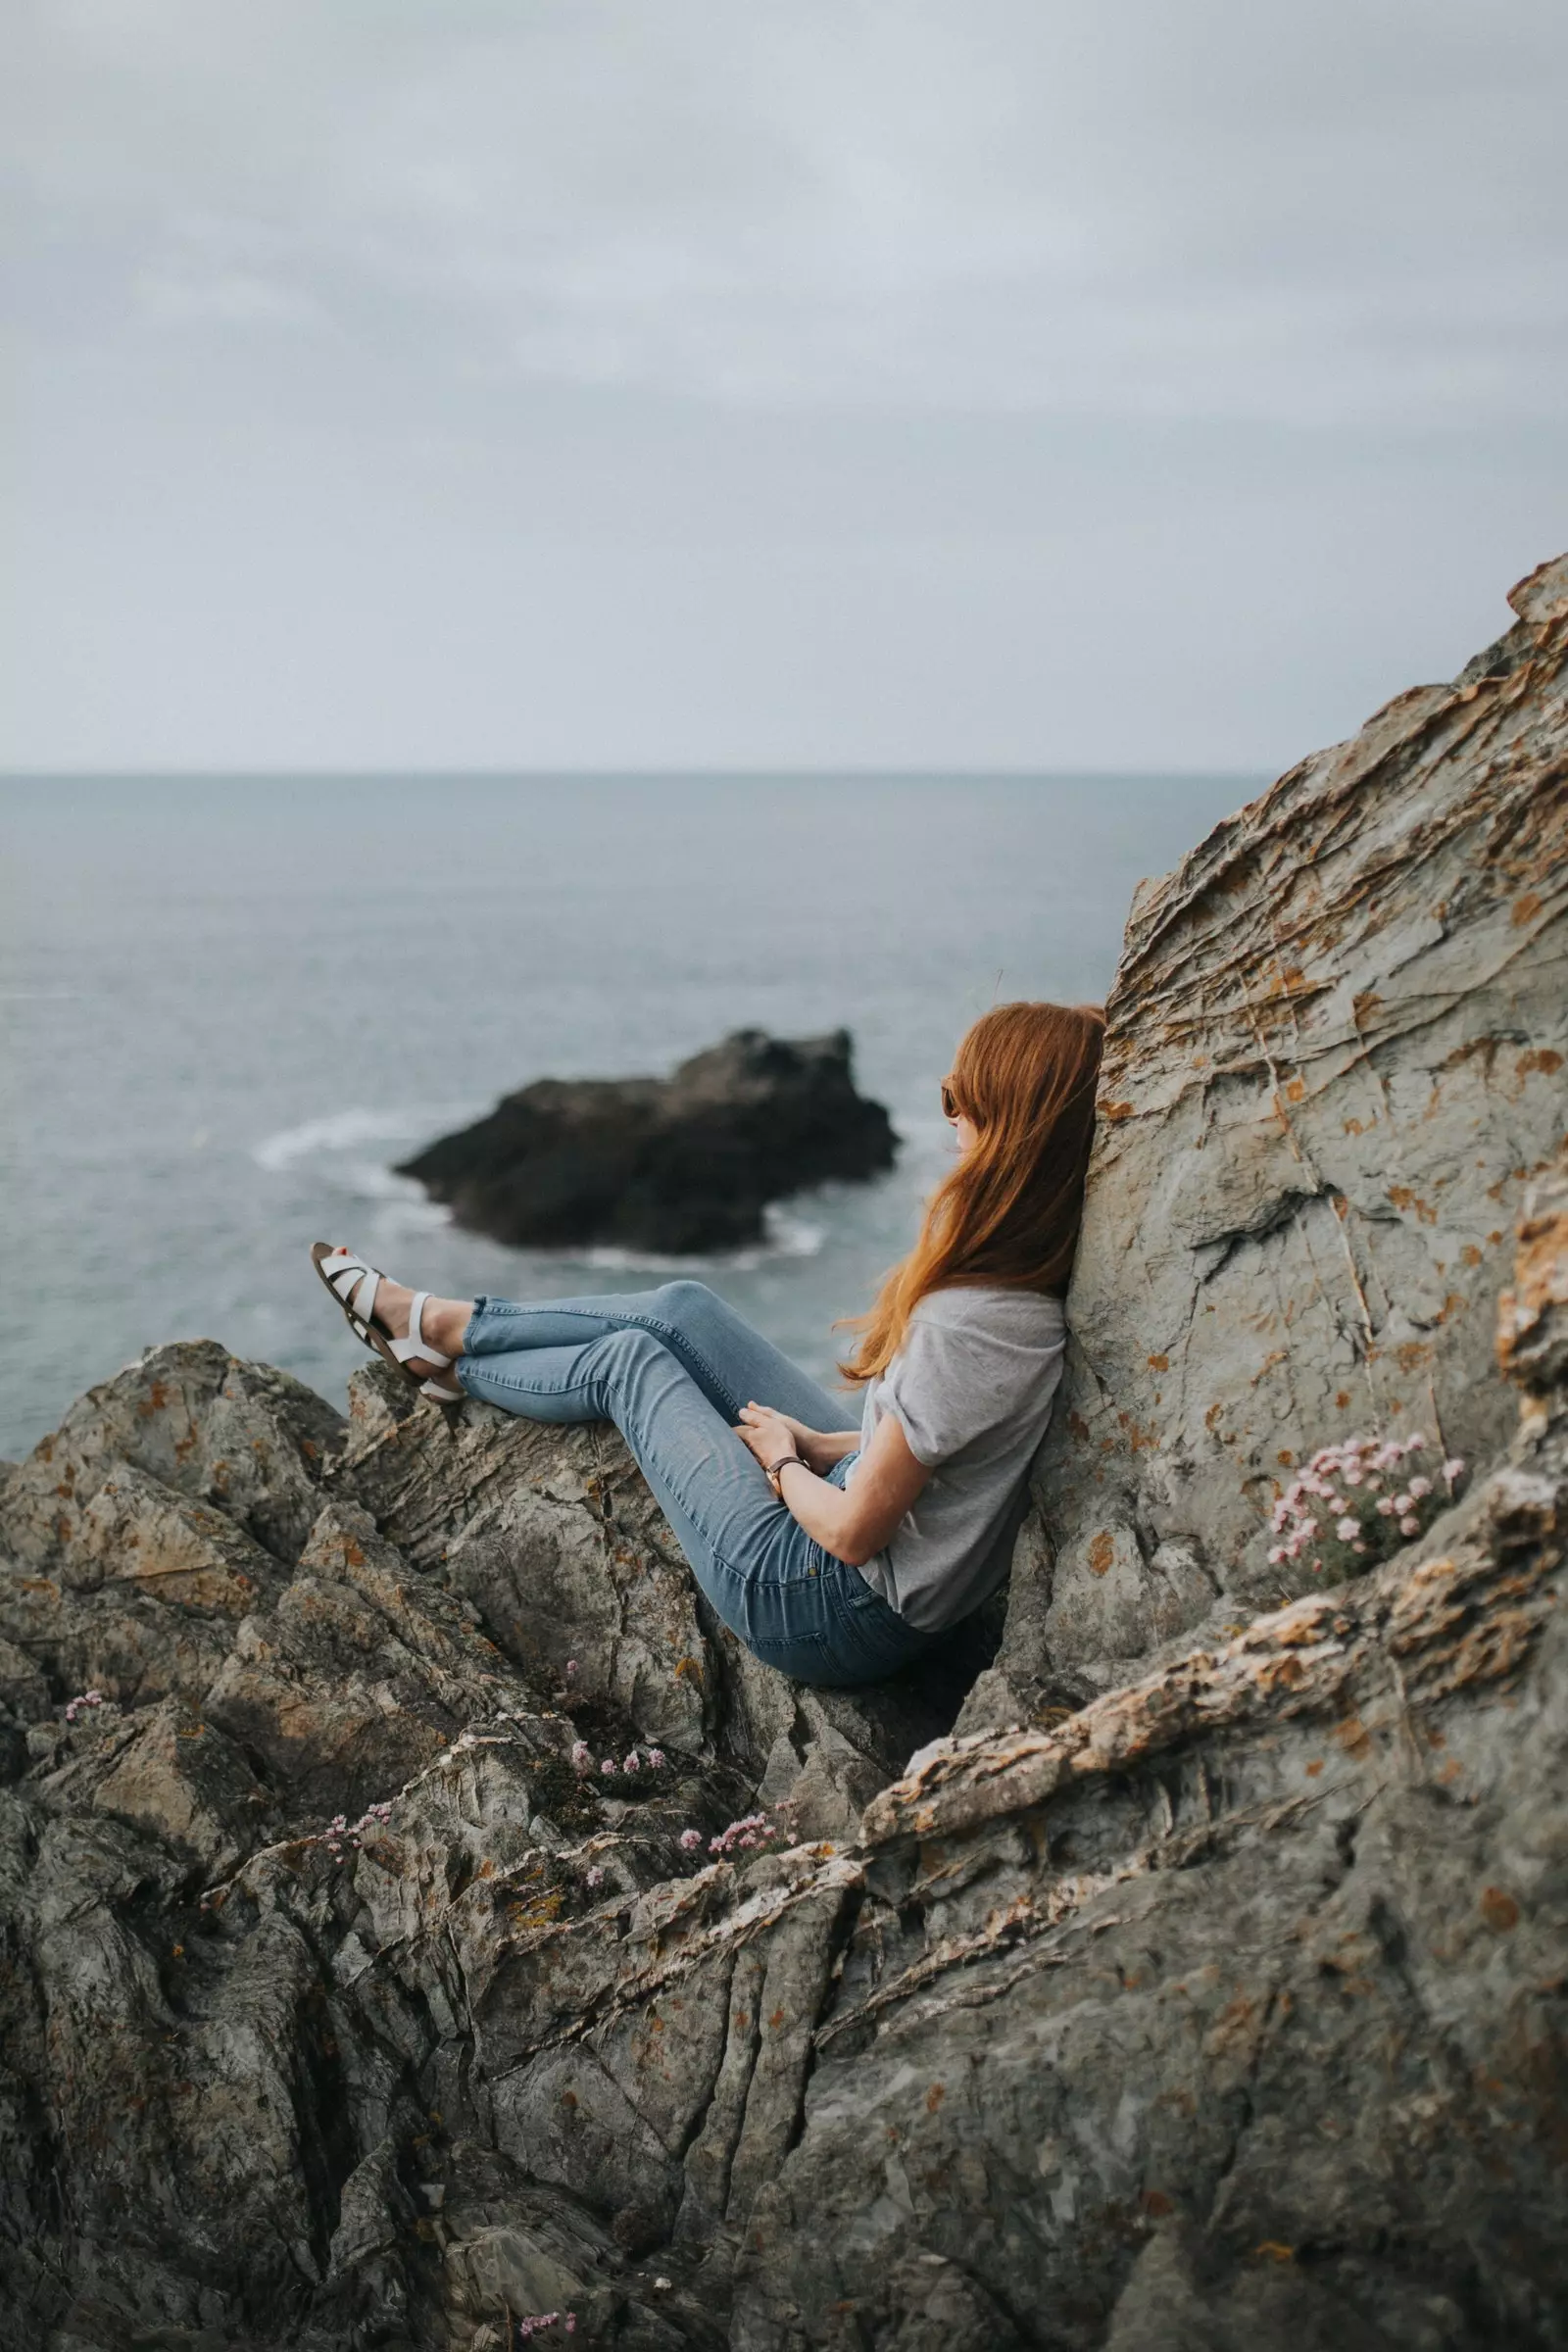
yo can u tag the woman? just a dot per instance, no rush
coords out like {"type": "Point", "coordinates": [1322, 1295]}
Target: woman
{"type": "Point", "coordinates": [836, 1555]}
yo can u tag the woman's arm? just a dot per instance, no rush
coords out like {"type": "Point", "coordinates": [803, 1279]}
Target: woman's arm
{"type": "Point", "coordinates": [818, 1448]}
{"type": "Point", "coordinates": [852, 1523]}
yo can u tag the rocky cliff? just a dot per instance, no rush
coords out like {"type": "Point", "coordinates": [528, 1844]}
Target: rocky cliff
{"type": "Point", "coordinates": [1204, 1989]}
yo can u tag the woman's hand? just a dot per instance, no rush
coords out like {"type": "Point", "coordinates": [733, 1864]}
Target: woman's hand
{"type": "Point", "coordinates": [771, 1436]}
{"type": "Point", "coordinates": [855, 1522]}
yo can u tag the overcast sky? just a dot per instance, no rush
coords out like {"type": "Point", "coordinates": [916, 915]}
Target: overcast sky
{"type": "Point", "coordinates": [811, 383]}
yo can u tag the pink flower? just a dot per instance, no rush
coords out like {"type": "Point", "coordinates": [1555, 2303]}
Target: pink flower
{"type": "Point", "coordinates": [581, 1755]}
{"type": "Point", "coordinates": [594, 1876]}
{"type": "Point", "coordinates": [690, 1841]}
{"type": "Point", "coordinates": [631, 1764]}
{"type": "Point", "coordinates": [1276, 1555]}
{"type": "Point", "coordinates": [1420, 1486]}
{"type": "Point", "coordinates": [608, 1764]}
{"type": "Point", "coordinates": [1410, 1525]}
{"type": "Point", "coordinates": [655, 1759]}
{"type": "Point", "coordinates": [571, 1665]}
{"type": "Point", "coordinates": [1347, 1530]}
{"type": "Point", "coordinates": [1452, 1469]}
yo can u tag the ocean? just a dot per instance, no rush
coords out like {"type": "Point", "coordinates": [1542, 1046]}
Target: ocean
{"type": "Point", "coordinates": [230, 1004]}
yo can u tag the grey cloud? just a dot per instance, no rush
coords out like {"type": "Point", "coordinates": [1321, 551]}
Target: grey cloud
{"type": "Point", "coordinates": [1216, 210]}
{"type": "Point", "coordinates": [500, 380]}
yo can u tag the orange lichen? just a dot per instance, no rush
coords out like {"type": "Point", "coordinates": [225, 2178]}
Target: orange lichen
{"type": "Point", "coordinates": [1500, 1910]}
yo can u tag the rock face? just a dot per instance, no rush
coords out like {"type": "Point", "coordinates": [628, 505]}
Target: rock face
{"type": "Point", "coordinates": [665, 1164]}
{"type": "Point", "coordinates": [1336, 1052]}
{"type": "Point", "coordinates": [347, 2005]}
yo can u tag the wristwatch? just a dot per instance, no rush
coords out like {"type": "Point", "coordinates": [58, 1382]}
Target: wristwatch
{"type": "Point", "coordinates": [773, 1470]}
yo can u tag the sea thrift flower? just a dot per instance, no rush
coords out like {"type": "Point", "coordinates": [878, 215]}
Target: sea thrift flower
{"type": "Point", "coordinates": [594, 1876]}
{"type": "Point", "coordinates": [1346, 1483]}
{"type": "Point", "coordinates": [608, 1764]}
{"type": "Point", "coordinates": [747, 1832]}
{"type": "Point", "coordinates": [655, 1759]}
{"type": "Point", "coordinates": [1452, 1469]}
{"type": "Point", "coordinates": [572, 1666]}
{"type": "Point", "coordinates": [690, 1841]}
{"type": "Point", "coordinates": [581, 1755]}
{"type": "Point", "coordinates": [630, 1764]}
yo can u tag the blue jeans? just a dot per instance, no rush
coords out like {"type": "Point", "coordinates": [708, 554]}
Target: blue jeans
{"type": "Point", "coordinates": [673, 1369]}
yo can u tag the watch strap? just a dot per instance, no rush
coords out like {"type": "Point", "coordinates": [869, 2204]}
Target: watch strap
{"type": "Point", "coordinates": [774, 1471]}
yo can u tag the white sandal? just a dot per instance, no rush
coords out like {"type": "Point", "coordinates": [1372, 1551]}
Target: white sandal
{"type": "Point", "coordinates": [354, 1285]}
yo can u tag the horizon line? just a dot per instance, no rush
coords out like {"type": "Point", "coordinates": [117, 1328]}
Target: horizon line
{"type": "Point", "coordinates": [630, 775]}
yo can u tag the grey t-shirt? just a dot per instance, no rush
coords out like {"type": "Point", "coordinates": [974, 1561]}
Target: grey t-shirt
{"type": "Point", "coordinates": [972, 1388]}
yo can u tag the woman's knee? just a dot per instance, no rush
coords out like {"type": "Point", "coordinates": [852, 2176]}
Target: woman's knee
{"type": "Point", "coordinates": [685, 1305]}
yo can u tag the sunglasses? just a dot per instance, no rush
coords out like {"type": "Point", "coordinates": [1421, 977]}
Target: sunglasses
{"type": "Point", "coordinates": [950, 1101]}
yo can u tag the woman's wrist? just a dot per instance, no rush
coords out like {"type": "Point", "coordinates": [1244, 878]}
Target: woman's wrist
{"type": "Point", "coordinates": [776, 1469]}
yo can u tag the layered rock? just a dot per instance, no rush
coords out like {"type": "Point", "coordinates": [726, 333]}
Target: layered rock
{"type": "Point", "coordinates": [1334, 1057]}
{"type": "Point", "coordinates": [671, 1165]}
{"type": "Point", "coordinates": [1226, 2010]}
{"type": "Point", "coordinates": [349, 2005]}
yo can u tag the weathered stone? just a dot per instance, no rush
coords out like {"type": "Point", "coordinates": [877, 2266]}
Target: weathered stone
{"type": "Point", "coordinates": [1335, 1058]}
{"type": "Point", "coordinates": [243, 1437]}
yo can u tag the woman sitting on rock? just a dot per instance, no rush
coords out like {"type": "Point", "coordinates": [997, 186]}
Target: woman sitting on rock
{"type": "Point", "coordinates": [835, 1554]}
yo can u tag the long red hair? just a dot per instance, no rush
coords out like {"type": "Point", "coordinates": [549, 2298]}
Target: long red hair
{"type": "Point", "coordinates": [1009, 1213]}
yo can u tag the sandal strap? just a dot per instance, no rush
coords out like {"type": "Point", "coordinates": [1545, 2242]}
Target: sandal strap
{"type": "Point", "coordinates": [348, 1277]}
{"type": "Point", "coordinates": [416, 1345]}
{"type": "Point", "coordinates": [440, 1396]}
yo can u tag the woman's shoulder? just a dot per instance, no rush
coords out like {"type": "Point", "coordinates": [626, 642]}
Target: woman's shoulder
{"type": "Point", "coordinates": [1023, 1318]}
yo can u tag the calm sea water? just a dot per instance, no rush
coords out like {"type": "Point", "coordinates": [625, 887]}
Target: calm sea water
{"type": "Point", "coordinates": [229, 1005]}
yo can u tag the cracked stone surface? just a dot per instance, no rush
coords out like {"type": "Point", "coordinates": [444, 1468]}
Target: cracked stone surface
{"type": "Point", "coordinates": [1202, 1987]}
{"type": "Point", "coordinates": [1335, 1058]}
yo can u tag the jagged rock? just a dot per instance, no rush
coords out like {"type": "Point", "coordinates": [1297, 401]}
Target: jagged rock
{"type": "Point", "coordinates": [665, 1164]}
{"type": "Point", "coordinates": [553, 1538]}
{"type": "Point", "coordinates": [1220, 2008]}
{"type": "Point", "coordinates": [244, 1438]}
{"type": "Point", "coordinates": [1334, 1056]}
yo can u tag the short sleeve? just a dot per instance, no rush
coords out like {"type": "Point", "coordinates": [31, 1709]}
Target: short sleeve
{"type": "Point", "coordinates": [948, 1387]}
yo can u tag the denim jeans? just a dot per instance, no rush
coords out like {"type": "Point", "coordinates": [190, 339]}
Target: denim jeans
{"type": "Point", "coordinates": [673, 1369]}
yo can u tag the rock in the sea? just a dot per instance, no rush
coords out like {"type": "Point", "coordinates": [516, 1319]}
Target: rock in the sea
{"type": "Point", "coordinates": [671, 1165]}
{"type": "Point", "coordinates": [391, 1955]}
